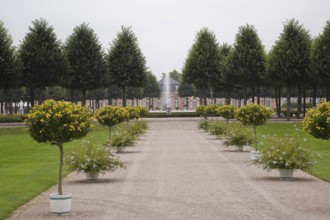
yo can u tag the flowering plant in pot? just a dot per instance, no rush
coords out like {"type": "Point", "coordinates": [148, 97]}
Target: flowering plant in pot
{"type": "Point", "coordinates": [91, 160]}
{"type": "Point", "coordinates": [58, 122]}
{"type": "Point", "coordinates": [238, 135]}
{"type": "Point", "coordinates": [286, 154]}
{"type": "Point", "coordinates": [253, 115]}
{"type": "Point", "coordinates": [111, 116]}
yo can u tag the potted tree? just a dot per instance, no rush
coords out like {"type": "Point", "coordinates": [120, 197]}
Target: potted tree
{"type": "Point", "coordinates": [58, 122]}
{"type": "Point", "coordinates": [227, 112]}
{"type": "Point", "coordinates": [111, 116]}
{"type": "Point", "coordinates": [253, 115]}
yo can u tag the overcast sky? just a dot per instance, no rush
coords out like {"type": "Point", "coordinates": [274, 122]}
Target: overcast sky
{"type": "Point", "coordinates": [165, 29]}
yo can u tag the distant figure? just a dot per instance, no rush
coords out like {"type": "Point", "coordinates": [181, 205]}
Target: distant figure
{"type": "Point", "coordinates": [21, 107]}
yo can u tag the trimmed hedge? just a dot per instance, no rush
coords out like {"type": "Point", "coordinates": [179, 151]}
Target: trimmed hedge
{"type": "Point", "coordinates": [10, 118]}
{"type": "Point", "coordinates": [171, 115]}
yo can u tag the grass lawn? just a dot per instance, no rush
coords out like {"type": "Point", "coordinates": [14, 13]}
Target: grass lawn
{"type": "Point", "coordinates": [28, 168]}
{"type": "Point", "coordinates": [322, 168]}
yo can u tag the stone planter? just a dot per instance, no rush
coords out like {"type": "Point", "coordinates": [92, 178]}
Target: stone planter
{"type": "Point", "coordinates": [60, 204]}
{"type": "Point", "coordinates": [256, 155]}
{"type": "Point", "coordinates": [238, 148]}
{"type": "Point", "coordinates": [286, 174]}
{"type": "Point", "coordinates": [91, 177]}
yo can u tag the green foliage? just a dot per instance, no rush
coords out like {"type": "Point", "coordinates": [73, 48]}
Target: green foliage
{"type": "Point", "coordinates": [317, 121]}
{"type": "Point", "coordinates": [89, 157]}
{"type": "Point", "coordinates": [126, 63]}
{"type": "Point", "coordinates": [137, 128]}
{"type": "Point", "coordinates": [201, 110]}
{"type": "Point", "coordinates": [58, 122]}
{"type": "Point", "coordinates": [133, 112]}
{"type": "Point", "coordinates": [248, 56]}
{"type": "Point", "coordinates": [253, 114]}
{"type": "Point", "coordinates": [121, 139]}
{"type": "Point", "coordinates": [211, 110]}
{"type": "Point", "coordinates": [85, 55]}
{"type": "Point", "coordinates": [320, 57]}
{"type": "Point", "coordinates": [12, 118]}
{"type": "Point", "coordinates": [217, 128]}
{"type": "Point", "coordinates": [151, 88]}
{"type": "Point", "coordinates": [238, 135]}
{"type": "Point", "coordinates": [10, 72]}
{"type": "Point", "coordinates": [226, 111]}
{"type": "Point", "coordinates": [111, 115]}
{"type": "Point", "coordinates": [202, 66]}
{"type": "Point", "coordinates": [286, 153]}
{"type": "Point", "coordinates": [42, 58]}
{"type": "Point", "coordinates": [203, 124]}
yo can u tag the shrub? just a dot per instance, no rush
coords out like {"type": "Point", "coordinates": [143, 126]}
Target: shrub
{"type": "Point", "coordinates": [317, 121]}
{"type": "Point", "coordinates": [201, 110]}
{"type": "Point", "coordinates": [137, 128]}
{"type": "Point", "coordinates": [122, 139]}
{"type": "Point", "coordinates": [8, 118]}
{"type": "Point", "coordinates": [93, 159]}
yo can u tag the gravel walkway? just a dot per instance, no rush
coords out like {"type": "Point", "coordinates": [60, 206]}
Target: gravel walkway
{"type": "Point", "coordinates": [179, 172]}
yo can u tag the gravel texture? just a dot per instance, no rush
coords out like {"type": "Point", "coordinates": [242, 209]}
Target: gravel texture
{"type": "Point", "coordinates": [179, 172]}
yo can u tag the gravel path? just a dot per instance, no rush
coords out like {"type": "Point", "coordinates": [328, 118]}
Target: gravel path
{"type": "Point", "coordinates": [179, 172]}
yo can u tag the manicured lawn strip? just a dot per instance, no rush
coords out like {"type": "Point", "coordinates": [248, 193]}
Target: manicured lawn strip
{"type": "Point", "coordinates": [322, 147]}
{"type": "Point", "coordinates": [28, 168]}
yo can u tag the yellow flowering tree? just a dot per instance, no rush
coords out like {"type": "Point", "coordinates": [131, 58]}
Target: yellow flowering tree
{"type": "Point", "coordinates": [58, 122]}
{"type": "Point", "coordinates": [254, 115]}
{"type": "Point", "coordinates": [111, 116]}
{"type": "Point", "coordinates": [226, 111]}
{"type": "Point", "coordinates": [317, 121]}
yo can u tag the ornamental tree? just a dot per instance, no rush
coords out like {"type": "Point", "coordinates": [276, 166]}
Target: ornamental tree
{"type": "Point", "coordinates": [111, 116]}
{"type": "Point", "coordinates": [58, 122]}
{"type": "Point", "coordinates": [253, 114]}
{"type": "Point", "coordinates": [317, 121]}
{"type": "Point", "coordinates": [226, 111]}
{"type": "Point", "coordinates": [126, 63]}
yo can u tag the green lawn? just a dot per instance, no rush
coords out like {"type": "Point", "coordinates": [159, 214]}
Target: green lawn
{"type": "Point", "coordinates": [27, 168]}
{"type": "Point", "coordinates": [322, 168]}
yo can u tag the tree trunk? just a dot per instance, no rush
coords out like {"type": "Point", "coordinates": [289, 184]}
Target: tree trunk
{"type": "Point", "coordinates": [1, 104]}
{"type": "Point", "coordinates": [187, 103]}
{"type": "Point", "coordinates": [279, 101]}
{"type": "Point", "coordinates": [304, 103]}
{"type": "Point", "coordinates": [72, 95]}
{"type": "Point", "coordinates": [314, 96]}
{"type": "Point", "coordinates": [245, 95]}
{"type": "Point", "coordinates": [253, 94]}
{"type": "Point", "coordinates": [124, 96]}
{"type": "Point", "coordinates": [299, 102]}
{"type": "Point", "coordinates": [60, 146]}
{"type": "Point", "coordinates": [152, 103]}
{"type": "Point", "coordinates": [327, 93]}
{"type": "Point", "coordinates": [40, 96]}
{"type": "Point", "coordinates": [32, 96]}
{"type": "Point", "coordinates": [84, 97]}
{"type": "Point", "coordinates": [258, 94]}
{"type": "Point", "coordinates": [288, 100]}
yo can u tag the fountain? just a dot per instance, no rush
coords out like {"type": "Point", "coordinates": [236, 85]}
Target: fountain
{"type": "Point", "coordinates": [167, 91]}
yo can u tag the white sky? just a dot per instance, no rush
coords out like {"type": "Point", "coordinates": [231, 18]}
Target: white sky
{"type": "Point", "coordinates": [165, 29]}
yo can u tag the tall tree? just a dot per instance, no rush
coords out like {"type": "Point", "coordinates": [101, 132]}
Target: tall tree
{"type": "Point", "coordinates": [320, 56]}
{"type": "Point", "coordinates": [151, 89]}
{"type": "Point", "coordinates": [249, 60]}
{"type": "Point", "coordinates": [174, 74]}
{"type": "Point", "coordinates": [10, 71]}
{"type": "Point", "coordinates": [85, 55]}
{"type": "Point", "coordinates": [42, 58]}
{"type": "Point", "coordinates": [126, 63]}
{"type": "Point", "coordinates": [202, 66]}
{"type": "Point", "coordinates": [186, 90]}
{"type": "Point", "coordinates": [291, 58]}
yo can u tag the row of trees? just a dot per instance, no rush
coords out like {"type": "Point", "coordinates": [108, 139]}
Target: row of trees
{"type": "Point", "coordinates": [295, 64]}
{"type": "Point", "coordinates": [79, 65]}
